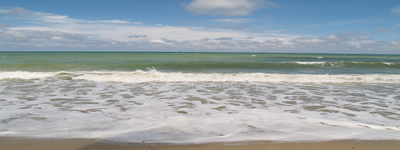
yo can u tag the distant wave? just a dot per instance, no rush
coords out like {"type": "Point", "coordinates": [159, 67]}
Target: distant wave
{"type": "Point", "coordinates": [371, 64]}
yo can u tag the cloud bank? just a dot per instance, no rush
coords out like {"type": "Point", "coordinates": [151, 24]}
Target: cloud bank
{"type": "Point", "coordinates": [50, 32]}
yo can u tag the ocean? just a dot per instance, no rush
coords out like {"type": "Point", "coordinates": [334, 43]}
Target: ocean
{"type": "Point", "coordinates": [189, 98]}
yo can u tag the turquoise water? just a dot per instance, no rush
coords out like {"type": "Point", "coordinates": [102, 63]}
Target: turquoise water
{"type": "Point", "coordinates": [202, 62]}
{"type": "Point", "coordinates": [191, 98]}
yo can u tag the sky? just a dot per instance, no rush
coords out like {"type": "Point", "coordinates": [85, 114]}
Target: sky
{"type": "Point", "coordinates": [284, 26]}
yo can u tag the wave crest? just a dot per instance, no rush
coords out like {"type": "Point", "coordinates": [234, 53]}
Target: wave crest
{"type": "Point", "coordinates": [152, 75]}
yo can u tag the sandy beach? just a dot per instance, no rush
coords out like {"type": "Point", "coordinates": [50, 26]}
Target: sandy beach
{"type": "Point", "coordinates": [8, 143]}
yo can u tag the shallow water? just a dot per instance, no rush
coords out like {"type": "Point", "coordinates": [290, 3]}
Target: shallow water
{"type": "Point", "coordinates": [186, 106]}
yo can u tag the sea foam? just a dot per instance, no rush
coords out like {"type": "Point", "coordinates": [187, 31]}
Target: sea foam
{"type": "Point", "coordinates": [172, 107]}
{"type": "Point", "coordinates": [140, 76]}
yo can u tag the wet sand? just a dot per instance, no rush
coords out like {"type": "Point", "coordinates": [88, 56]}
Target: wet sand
{"type": "Point", "coordinates": [7, 143]}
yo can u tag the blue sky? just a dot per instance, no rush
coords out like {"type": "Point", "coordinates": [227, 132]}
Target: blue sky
{"type": "Point", "coordinates": [289, 26]}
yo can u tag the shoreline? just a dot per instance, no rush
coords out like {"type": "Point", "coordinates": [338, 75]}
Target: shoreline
{"type": "Point", "coordinates": [12, 143]}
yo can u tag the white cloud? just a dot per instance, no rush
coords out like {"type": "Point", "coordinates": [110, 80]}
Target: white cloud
{"type": "Point", "coordinates": [114, 21]}
{"type": "Point", "coordinates": [224, 38]}
{"type": "Point", "coordinates": [233, 21]}
{"type": "Point", "coordinates": [57, 17]}
{"type": "Point", "coordinates": [396, 10]}
{"type": "Point", "coordinates": [226, 7]}
{"type": "Point", "coordinates": [337, 43]}
{"type": "Point", "coordinates": [395, 43]}
{"type": "Point", "coordinates": [32, 16]}
{"type": "Point", "coordinates": [52, 31]}
{"type": "Point", "coordinates": [136, 36]}
{"type": "Point", "coordinates": [364, 38]}
{"type": "Point", "coordinates": [308, 40]}
{"type": "Point", "coordinates": [17, 12]}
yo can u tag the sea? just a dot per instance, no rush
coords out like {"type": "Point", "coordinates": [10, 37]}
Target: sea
{"type": "Point", "coordinates": [190, 98]}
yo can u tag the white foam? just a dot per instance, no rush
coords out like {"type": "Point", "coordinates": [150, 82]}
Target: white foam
{"type": "Point", "coordinates": [155, 76]}
{"type": "Point", "coordinates": [388, 63]}
{"type": "Point", "coordinates": [26, 75]}
{"type": "Point", "coordinates": [311, 62]}
{"type": "Point", "coordinates": [196, 112]}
